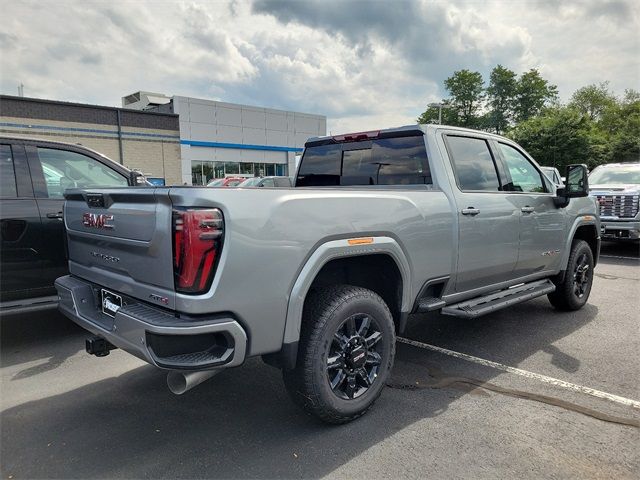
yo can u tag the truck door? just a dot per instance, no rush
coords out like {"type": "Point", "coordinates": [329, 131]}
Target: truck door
{"type": "Point", "coordinates": [487, 218]}
{"type": "Point", "coordinates": [542, 224]}
{"type": "Point", "coordinates": [20, 229]}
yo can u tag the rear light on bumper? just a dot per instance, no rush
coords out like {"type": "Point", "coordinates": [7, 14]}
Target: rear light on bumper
{"type": "Point", "coordinates": [197, 243]}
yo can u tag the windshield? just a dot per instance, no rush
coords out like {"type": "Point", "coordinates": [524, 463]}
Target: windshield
{"type": "Point", "coordinates": [216, 183]}
{"type": "Point", "coordinates": [250, 182]}
{"type": "Point", "coordinates": [615, 175]}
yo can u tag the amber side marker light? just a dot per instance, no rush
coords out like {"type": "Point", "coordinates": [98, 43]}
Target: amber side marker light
{"type": "Point", "coordinates": [360, 241]}
{"type": "Point", "coordinates": [588, 218]}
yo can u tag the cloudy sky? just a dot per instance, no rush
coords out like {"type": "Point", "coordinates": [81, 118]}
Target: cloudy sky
{"type": "Point", "coordinates": [363, 64]}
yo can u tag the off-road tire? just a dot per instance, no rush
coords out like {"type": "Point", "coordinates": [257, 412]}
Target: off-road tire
{"type": "Point", "coordinates": [566, 296]}
{"type": "Point", "coordinates": [326, 312]}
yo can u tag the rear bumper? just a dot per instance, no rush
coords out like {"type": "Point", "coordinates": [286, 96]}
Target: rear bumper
{"type": "Point", "coordinates": [620, 230]}
{"type": "Point", "coordinates": [156, 336]}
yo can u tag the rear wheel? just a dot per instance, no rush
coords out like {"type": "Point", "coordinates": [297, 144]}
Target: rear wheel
{"type": "Point", "coordinates": [573, 291]}
{"type": "Point", "coordinates": [347, 346]}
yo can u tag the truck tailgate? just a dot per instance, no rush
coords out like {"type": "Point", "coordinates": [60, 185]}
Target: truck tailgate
{"type": "Point", "coordinates": [120, 239]}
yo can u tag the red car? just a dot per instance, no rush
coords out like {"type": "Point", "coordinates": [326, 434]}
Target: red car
{"type": "Point", "coordinates": [226, 182]}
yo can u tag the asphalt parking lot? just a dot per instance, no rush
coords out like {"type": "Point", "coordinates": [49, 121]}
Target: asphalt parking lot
{"type": "Point", "coordinates": [66, 414]}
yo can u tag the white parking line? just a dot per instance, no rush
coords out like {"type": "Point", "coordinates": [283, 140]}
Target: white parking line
{"type": "Point", "coordinates": [619, 256]}
{"type": "Point", "coordinates": [524, 373]}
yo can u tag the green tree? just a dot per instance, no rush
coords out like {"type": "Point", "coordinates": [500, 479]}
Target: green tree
{"type": "Point", "coordinates": [621, 123]}
{"type": "Point", "coordinates": [432, 115]}
{"type": "Point", "coordinates": [501, 94]}
{"type": "Point", "coordinates": [533, 93]}
{"type": "Point", "coordinates": [466, 89]}
{"type": "Point", "coordinates": [593, 100]}
{"type": "Point", "coordinates": [558, 137]}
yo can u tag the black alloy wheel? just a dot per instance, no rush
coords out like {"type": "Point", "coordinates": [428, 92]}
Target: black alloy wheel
{"type": "Point", "coordinates": [345, 353]}
{"type": "Point", "coordinates": [353, 360]}
{"type": "Point", "coordinates": [574, 285]}
{"type": "Point", "coordinates": [581, 276]}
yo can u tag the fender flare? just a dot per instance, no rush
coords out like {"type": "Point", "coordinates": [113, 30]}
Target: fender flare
{"type": "Point", "coordinates": [580, 221]}
{"type": "Point", "coordinates": [341, 249]}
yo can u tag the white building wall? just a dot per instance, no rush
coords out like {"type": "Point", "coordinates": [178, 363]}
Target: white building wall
{"type": "Point", "coordinates": [220, 122]}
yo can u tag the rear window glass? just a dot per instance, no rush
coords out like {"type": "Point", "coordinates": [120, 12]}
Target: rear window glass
{"type": "Point", "coordinates": [320, 166]}
{"type": "Point", "coordinates": [473, 164]}
{"type": "Point", "coordinates": [386, 161]}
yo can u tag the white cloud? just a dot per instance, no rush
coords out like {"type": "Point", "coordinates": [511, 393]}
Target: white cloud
{"type": "Point", "coordinates": [364, 65]}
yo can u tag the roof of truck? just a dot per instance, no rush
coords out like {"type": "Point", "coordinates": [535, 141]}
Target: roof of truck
{"type": "Point", "coordinates": [406, 128]}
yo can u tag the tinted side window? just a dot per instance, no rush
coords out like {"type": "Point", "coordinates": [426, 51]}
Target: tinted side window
{"type": "Point", "coordinates": [473, 164]}
{"type": "Point", "coordinates": [63, 169]}
{"type": "Point", "coordinates": [386, 161]}
{"type": "Point", "coordinates": [524, 176]}
{"type": "Point", "coordinates": [7, 173]}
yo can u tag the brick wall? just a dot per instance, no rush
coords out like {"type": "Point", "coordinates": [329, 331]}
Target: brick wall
{"type": "Point", "coordinates": [150, 141]}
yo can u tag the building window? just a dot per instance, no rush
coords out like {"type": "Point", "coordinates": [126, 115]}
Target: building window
{"type": "Point", "coordinates": [270, 169]}
{"type": "Point", "coordinates": [246, 168]}
{"type": "Point", "coordinates": [196, 173]}
{"type": "Point", "coordinates": [231, 168]}
{"type": "Point", "coordinates": [203, 172]}
{"type": "Point", "coordinates": [218, 169]}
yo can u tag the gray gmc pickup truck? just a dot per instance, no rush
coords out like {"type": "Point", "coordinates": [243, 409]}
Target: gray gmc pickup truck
{"type": "Point", "coordinates": [319, 278]}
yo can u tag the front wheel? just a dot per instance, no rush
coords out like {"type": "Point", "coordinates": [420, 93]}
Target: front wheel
{"type": "Point", "coordinates": [347, 347]}
{"type": "Point", "coordinates": [574, 289]}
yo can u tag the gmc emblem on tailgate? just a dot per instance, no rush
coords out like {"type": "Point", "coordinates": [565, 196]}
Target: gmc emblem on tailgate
{"type": "Point", "coordinates": [97, 220]}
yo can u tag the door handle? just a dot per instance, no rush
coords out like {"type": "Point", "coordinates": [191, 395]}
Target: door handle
{"type": "Point", "coordinates": [527, 209]}
{"type": "Point", "coordinates": [470, 211]}
{"type": "Point", "coordinates": [58, 215]}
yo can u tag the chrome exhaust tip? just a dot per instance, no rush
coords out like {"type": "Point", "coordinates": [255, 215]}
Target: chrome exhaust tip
{"type": "Point", "coordinates": [180, 382]}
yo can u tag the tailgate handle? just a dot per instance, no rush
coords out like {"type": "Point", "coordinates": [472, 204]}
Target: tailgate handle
{"type": "Point", "coordinates": [96, 200]}
{"type": "Point", "coordinates": [58, 215]}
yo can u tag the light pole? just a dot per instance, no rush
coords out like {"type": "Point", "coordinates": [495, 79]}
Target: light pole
{"type": "Point", "coordinates": [439, 106]}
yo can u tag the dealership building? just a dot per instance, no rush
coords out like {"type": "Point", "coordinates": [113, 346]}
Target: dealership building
{"type": "Point", "coordinates": [145, 141]}
{"type": "Point", "coordinates": [219, 139]}
{"type": "Point", "coordinates": [179, 139]}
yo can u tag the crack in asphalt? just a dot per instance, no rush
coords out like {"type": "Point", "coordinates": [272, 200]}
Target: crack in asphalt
{"type": "Point", "coordinates": [450, 382]}
{"type": "Point", "coordinates": [614, 277]}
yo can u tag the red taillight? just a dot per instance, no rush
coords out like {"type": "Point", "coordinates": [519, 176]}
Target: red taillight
{"type": "Point", "coordinates": [197, 242]}
{"type": "Point", "coordinates": [356, 137]}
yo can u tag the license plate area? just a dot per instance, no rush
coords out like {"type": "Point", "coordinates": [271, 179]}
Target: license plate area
{"type": "Point", "coordinates": [111, 302]}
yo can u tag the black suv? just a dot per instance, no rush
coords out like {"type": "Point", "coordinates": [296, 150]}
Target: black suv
{"type": "Point", "coordinates": [33, 177]}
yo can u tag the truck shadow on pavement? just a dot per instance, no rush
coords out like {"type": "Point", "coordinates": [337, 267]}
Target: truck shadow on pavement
{"type": "Point", "coordinates": [56, 340]}
{"type": "Point", "coordinates": [241, 423]}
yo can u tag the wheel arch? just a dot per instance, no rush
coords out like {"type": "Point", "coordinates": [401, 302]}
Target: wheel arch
{"type": "Point", "coordinates": [364, 265]}
{"type": "Point", "coordinates": [583, 228]}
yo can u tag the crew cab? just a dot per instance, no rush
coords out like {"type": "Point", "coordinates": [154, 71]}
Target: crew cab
{"type": "Point", "coordinates": [33, 177]}
{"type": "Point", "coordinates": [616, 186]}
{"type": "Point", "coordinates": [379, 225]}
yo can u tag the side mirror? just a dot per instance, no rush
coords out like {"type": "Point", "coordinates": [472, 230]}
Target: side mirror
{"type": "Point", "coordinates": [576, 184]}
{"type": "Point", "coordinates": [136, 178]}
